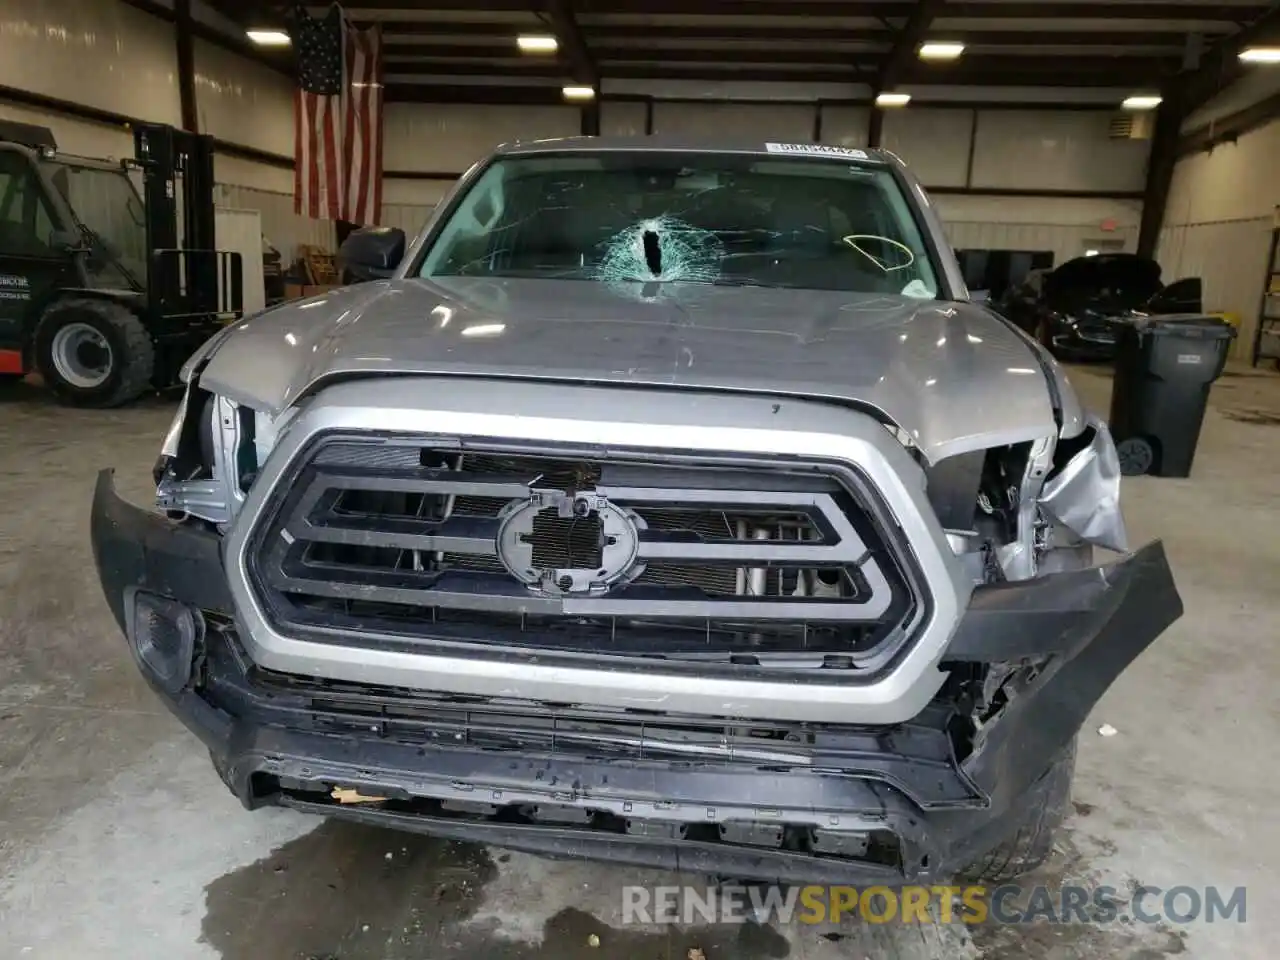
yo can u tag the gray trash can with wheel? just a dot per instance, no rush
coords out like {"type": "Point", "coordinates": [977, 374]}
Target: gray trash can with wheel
{"type": "Point", "coordinates": [1165, 366]}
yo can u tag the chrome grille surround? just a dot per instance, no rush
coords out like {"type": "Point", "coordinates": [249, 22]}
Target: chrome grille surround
{"type": "Point", "coordinates": [622, 423]}
{"type": "Point", "coordinates": [395, 549]}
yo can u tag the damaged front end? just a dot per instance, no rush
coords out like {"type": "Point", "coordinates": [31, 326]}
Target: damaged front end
{"type": "Point", "coordinates": [1042, 637]}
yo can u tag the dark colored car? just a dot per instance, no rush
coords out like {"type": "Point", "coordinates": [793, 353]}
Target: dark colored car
{"type": "Point", "coordinates": [1075, 310]}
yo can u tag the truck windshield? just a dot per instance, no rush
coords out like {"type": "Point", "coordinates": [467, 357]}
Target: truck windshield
{"type": "Point", "coordinates": [635, 217]}
{"type": "Point", "coordinates": [106, 202]}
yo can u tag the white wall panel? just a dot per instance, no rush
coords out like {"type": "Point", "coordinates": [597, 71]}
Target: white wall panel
{"type": "Point", "coordinates": [240, 231]}
{"type": "Point", "coordinates": [76, 136]}
{"type": "Point", "coordinates": [1066, 227]}
{"type": "Point", "coordinates": [100, 53]}
{"type": "Point", "coordinates": [1236, 181]}
{"type": "Point", "coordinates": [1055, 150]}
{"type": "Point", "coordinates": [1254, 86]}
{"type": "Point", "coordinates": [243, 102]}
{"type": "Point", "coordinates": [249, 173]}
{"type": "Point", "coordinates": [1218, 221]}
{"type": "Point", "coordinates": [622, 118]}
{"type": "Point", "coordinates": [845, 126]}
{"type": "Point", "coordinates": [451, 137]}
{"type": "Point", "coordinates": [933, 143]}
{"type": "Point", "coordinates": [282, 227]}
{"type": "Point", "coordinates": [1231, 258]}
{"type": "Point", "coordinates": [1073, 211]}
{"type": "Point", "coordinates": [408, 204]}
{"type": "Point", "coordinates": [789, 122]}
{"type": "Point", "coordinates": [1066, 241]}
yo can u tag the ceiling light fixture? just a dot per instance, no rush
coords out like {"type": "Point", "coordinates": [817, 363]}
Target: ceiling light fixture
{"type": "Point", "coordinates": [941, 50]}
{"type": "Point", "coordinates": [268, 38]}
{"type": "Point", "coordinates": [579, 93]}
{"type": "Point", "coordinates": [537, 43]}
{"type": "Point", "coordinates": [893, 99]}
{"type": "Point", "coordinates": [1260, 55]}
{"type": "Point", "coordinates": [1141, 101]}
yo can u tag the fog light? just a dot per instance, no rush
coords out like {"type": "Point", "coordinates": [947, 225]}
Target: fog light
{"type": "Point", "coordinates": [164, 637]}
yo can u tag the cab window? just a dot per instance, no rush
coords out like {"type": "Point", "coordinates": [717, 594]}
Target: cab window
{"type": "Point", "coordinates": [26, 223]}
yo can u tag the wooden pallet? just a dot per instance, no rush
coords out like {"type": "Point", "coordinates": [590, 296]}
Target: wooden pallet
{"type": "Point", "coordinates": [318, 264]}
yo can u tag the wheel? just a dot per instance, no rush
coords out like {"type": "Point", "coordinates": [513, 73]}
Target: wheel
{"type": "Point", "coordinates": [93, 353]}
{"type": "Point", "coordinates": [1043, 810]}
{"type": "Point", "coordinates": [1136, 456]}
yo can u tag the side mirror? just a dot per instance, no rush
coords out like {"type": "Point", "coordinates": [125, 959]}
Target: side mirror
{"type": "Point", "coordinates": [370, 253]}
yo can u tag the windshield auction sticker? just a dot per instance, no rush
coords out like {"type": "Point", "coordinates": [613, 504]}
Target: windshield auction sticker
{"type": "Point", "coordinates": [816, 150]}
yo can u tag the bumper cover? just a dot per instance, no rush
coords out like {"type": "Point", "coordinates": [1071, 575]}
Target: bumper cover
{"type": "Point", "coordinates": [274, 742]}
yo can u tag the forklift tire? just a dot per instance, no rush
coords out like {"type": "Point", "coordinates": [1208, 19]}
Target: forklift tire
{"type": "Point", "coordinates": [93, 353]}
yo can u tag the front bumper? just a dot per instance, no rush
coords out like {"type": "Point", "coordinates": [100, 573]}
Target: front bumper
{"type": "Point", "coordinates": [559, 780]}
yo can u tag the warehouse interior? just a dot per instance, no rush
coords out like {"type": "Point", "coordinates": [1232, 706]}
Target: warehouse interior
{"type": "Point", "coordinates": [1042, 132]}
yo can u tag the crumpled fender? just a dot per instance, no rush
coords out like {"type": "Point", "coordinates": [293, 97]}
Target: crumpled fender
{"type": "Point", "coordinates": [1084, 496]}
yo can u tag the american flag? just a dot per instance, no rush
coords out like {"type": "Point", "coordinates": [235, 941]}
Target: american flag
{"type": "Point", "coordinates": [337, 118]}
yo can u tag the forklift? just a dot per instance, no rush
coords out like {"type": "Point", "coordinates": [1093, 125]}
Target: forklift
{"type": "Point", "coordinates": [103, 291]}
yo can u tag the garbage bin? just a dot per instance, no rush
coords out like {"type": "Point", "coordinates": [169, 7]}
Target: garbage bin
{"type": "Point", "coordinates": [1165, 366]}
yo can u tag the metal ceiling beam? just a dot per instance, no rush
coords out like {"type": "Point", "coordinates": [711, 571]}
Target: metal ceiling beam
{"type": "Point", "coordinates": [1231, 13]}
{"type": "Point", "coordinates": [1230, 128]}
{"type": "Point", "coordinates": [395, 32]}
{"type": "Point", "coordinates": [1220, 66]}
{"type": "Point", "coordinates": [1120, 76]}
{"type": "Point", "coordinates": [582, 64]}
{"type": "Point", "coordinates": [572, 43]}
{"type": "Point", "coordinates": [604, 54]}
{"type": "Point", "coordinates": [1224, 12]}
{"type": "Point", "coordinates": [912, 34]}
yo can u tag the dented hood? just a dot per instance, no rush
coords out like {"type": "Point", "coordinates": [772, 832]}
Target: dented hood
{"type": "Point", "coordinates": [951, 374]}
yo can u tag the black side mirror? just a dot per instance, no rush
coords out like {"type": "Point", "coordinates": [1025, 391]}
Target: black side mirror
{"type": "Point", "coordinates": [370, 253]}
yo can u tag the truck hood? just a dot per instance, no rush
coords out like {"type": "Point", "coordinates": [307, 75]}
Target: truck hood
{"type": "Point", "coordinates": [951, 374]}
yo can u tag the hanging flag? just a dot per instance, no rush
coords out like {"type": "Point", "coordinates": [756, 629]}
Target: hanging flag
{"type": "Point", "coordinates": [337, 118]}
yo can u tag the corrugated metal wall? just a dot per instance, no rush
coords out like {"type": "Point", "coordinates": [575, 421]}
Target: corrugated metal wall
{"type": "Point", "coordinates": [1065, 240]}
{"type": "Point", "coordinates": [1218, 224]}
{"type": "Point", "coordinates": [1231, 258]}
{"type": "Point", "coordinates": [283, 228]}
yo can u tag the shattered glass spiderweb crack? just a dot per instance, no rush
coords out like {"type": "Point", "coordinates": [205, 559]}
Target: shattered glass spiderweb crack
{"type": "Point", "coordinates": [661, 249]}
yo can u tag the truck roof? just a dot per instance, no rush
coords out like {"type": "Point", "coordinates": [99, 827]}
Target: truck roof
{"type": "Point", "coordinates": [669, 142]}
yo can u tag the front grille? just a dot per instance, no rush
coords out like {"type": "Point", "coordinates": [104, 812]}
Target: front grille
{"type": "Point", "coordinates": [595, 555]}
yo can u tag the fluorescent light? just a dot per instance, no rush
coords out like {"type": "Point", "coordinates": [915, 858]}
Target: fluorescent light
{"type": "Point", "coordinates": [483, 329]}
{"type": "Point", "coordinates": [537, 43]}
{"type": "Point", "coordinates": [940, 50]}
{"type": "Point", "coordinates": [1260, 55]}
{"type": "Point", "coordinates": [579, 93]}
{"type": "Point", "coordinates": [1091, 253]}
{"type": "Point", "coordinates": [269, 38]}
{"type": "Point", "coordinates": [1141, 101]}
{"type": "Point", "coordinates": [893, 99]}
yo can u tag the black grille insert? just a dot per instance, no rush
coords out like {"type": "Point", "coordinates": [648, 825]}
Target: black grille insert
{"type": "Point", "coordinates": [628, 557]}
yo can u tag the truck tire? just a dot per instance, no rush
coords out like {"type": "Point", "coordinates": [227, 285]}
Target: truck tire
{"type": "Point", "coordinates": [93, 353]}
{"type": "Point", "coordinates": [1041, 812]}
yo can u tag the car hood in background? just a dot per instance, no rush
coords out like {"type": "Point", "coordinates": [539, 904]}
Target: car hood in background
{"type": "Point", "coordinates": [952, 375]}
{"type": "Point", "coordinates": [1120, 280]}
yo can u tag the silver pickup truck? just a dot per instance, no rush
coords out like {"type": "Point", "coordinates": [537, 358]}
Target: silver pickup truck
{"type": "Point", "coordinates": [665, 503]}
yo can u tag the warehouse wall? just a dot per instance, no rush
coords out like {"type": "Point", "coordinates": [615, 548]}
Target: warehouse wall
{"type": "Point", "coordinates": [249, 104]}
{"type": "Point", "coordinates": [1218, 222]}
{"type": "Point", "coordinates": [112, 57]}
{"type": "Point", "coordinates": [1029, 150]}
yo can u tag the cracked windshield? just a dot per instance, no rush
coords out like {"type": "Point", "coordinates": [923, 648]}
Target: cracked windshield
{"type": "Point", "coordinates": [645, 217]}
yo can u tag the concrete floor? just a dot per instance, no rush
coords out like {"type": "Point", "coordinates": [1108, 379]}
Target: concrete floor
{"type": "Point", "coordinates": [117, 840]}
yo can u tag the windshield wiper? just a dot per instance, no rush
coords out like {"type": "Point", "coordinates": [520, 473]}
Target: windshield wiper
{"type": "Point", "coordinates": [108, 253]}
